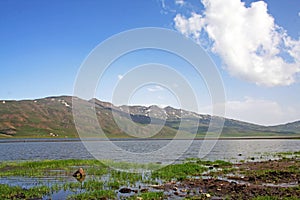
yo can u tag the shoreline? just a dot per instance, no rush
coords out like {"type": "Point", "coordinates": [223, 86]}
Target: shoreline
{"type": "Point", "coordinates": [13, 140]}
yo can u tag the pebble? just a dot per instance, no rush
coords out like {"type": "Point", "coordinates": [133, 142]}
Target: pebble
{"type": "Point", "coordinates": [207, 195]}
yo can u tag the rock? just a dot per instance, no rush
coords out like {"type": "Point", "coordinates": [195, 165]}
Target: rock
{"type": "Point", "coordinates": [144, 190]}
{"type": "Point", "coordinates": [80, 179]}
{"type": "Point", "coordinates": [8, 131]}
{"type": "Point", "coordinates": [239, 154]}
{"type": "Point", "coordinates": [207, 195]}
{"type": "Point", "coordinates": [216, 198]}
{"type": "Point", "coordinates": [157, 186]}
{"type": "Point", "coordinates": [53, 134]}
{"type": "Point", "coordinates": [125, 190]}
{"type": "Point", "coordinates": [79, 173]}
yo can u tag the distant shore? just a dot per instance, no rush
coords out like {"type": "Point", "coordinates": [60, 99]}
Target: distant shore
{"type": "Point", "coordinates": [11, 140]}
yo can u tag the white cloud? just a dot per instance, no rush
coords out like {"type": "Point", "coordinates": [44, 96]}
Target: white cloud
{"type": "Point", "coordinates": [120, 76]}
{"type": "Point", "coordinates": [163, 4]}
{"type": "Point", "coordinates": [191, 26]}
{"type": "Point", "coordinates": [165, 8]}
{"type": "Point", "coordinates": [259, 111]}
{"type": "Point", "coordinates": [299, 14]}
{"type": "Point", "coordinates": [247, 39]}
{"type": "Point", "coordinates": [155, 88]}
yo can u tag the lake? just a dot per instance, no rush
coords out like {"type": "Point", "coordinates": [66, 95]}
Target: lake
{"type": "Point", "coordinates": [144, 151]}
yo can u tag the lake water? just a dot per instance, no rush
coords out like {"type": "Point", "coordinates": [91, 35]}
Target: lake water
{"type": "Point", "coordinates": [141, 151]}
{"type": "Point", "coordinates": [144, 151]}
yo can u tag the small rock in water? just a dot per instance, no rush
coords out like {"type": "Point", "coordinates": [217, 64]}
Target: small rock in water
{"type": "Point", "coordinates": [240, 154]}
{"type": "Point", "coordinates": [125, 190]}
{"type": "Point", "coordinates": [157, 186]}
{"type": "Point", "coordinates": [79, 173]}
{"type": "Point", "coordinates": [144, 190]}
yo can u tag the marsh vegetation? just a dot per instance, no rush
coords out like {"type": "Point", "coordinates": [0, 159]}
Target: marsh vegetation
{"type": "Point", "coordinates": [191, 179]}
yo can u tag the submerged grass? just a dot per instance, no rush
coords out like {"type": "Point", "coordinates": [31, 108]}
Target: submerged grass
{"type": "Point", "coordinates": [102, 181]}
{"type": "Point", "coordinates": [16, 192]}
{"type": "Point", "coordinates": [97, 194]}
{"type": "Point", "coordinates": [148, 196]}
{"type": "Point", "coordinates": [39, 168]}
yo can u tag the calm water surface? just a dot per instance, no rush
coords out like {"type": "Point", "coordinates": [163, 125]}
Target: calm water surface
{"type": "Point", "coordinates": [223, 149]}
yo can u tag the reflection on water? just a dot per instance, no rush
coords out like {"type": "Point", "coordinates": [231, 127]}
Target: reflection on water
{"type": "Point", "coordinates": [232, 150]}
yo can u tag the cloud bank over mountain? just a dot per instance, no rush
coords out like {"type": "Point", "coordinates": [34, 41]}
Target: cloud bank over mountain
{"type": "Point", "coordinates": [250, 44]}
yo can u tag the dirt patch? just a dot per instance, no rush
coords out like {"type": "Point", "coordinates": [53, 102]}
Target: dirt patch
{"type": "Point", "coordinates": [220, 189]}
{"type": "Point", "coordinates": [277, 178]}
{"type": "Point", "coordinates": [271, 164]}
{"type": "Point", "coordinates": [284, 171]}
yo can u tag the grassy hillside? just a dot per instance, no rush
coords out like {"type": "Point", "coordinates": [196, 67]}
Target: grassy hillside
{"type": "Point", "coordinates": [53, 117]}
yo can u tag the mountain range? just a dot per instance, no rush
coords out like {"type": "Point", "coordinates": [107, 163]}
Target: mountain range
{"type": "Point", "coordinates": [53, 117]}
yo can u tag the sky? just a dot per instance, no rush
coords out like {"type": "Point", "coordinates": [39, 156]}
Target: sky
{"type": "Point", "coordinates": [255, 46]}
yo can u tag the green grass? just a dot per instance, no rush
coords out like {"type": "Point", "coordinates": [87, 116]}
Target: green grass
{"type": "Point", "coordinates": [179, 171]}
{"type": "Point", "coordinates": [16, 192]}
{"type": "Point", "coordinates": [289, 153]}
{"type": "Point", "coordinates": [217, 163]}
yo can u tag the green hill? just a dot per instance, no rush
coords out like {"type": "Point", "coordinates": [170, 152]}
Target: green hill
{"type": "Point", "coordinates": [53, 117]}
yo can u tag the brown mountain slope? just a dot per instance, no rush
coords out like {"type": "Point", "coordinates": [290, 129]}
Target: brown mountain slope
{"type": "Point", "coordinates": [53, 117]}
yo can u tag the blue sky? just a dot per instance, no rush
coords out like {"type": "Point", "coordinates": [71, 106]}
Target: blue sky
{"type": "Point", "coordinates": [43, 44]}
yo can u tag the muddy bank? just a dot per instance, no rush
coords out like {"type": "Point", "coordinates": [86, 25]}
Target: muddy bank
{"type": "Point", "coordinates": [274, 178]}
{"type": "Point", "coordinates": [220, 189]}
